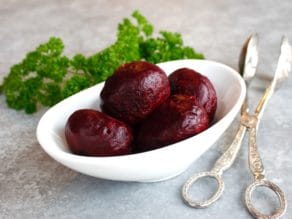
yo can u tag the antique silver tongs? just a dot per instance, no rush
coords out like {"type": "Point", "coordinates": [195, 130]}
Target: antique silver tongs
{"type": "Point", "coordinates": [252, 123]}
{"type": "Point", "coordinates": [248, 64]}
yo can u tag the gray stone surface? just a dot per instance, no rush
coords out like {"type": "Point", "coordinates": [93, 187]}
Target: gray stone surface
{"type": "Point", "coordinates": [32, 185]}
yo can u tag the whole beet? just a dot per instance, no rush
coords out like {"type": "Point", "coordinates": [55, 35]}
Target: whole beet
{"type": "Point", "coordinates": [92, 133]}
{"type": "Point", "coordinates": [178, 118]}
{"type": "Point", "coordinates": [134, 91]}
{"type": "Point", "coordinates": [189, 82]}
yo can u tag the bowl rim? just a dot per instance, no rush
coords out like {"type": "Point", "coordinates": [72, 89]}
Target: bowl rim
{"type": "Point", "coordinates": [59, 154]}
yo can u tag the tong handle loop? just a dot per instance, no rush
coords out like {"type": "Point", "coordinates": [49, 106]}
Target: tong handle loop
{"type": "Point", "coordinates": [202, 204]}
{"type": "Point", "coordinates": [279, 212]}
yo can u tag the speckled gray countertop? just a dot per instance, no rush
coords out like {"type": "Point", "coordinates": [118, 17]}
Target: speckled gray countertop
{"type": "Point", "coordinates": [32, 185]}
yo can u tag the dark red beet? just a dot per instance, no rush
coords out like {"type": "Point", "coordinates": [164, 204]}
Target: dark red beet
{"type": "Point", "coordinates": [189, 82]}
{"type": "Point", "coordinates": [134, 91]}
{"type": "Point", "coordinates": [178, 118]}
{"type": "Point", "coordinates": [92, 133]}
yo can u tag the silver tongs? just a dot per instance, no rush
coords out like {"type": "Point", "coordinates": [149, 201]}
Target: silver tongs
{"type": "Point", "coordinates": [247, 65]}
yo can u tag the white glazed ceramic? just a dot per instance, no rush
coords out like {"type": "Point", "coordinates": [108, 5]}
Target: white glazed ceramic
{"type": "Point", "coordinates": [156, 165]}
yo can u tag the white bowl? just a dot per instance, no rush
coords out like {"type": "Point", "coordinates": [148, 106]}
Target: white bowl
{"type": "Point", "coordinates": [155, 165]}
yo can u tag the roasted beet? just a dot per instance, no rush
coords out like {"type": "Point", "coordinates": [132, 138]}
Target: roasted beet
{"type": "Point", "coordinates": [134, 91]}
{"type": "Point", "coordinates": [178, 118]}
{"type": "Point", "coordinates": [92, 133]}
{"type": "Point", "coordinates": [189, 82]}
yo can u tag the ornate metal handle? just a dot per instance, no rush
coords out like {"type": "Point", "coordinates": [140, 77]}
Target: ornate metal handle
{"type": "Point", "coordinates": [223, 163]}
{"type": "Point", "coordinates": [255, 163]}
{"type": "Point", "coordinates": [257, 169]}
{"type": "Point", "coordinates": [227, 159]}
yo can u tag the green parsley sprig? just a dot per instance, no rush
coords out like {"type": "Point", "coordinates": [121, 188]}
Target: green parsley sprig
{"type": "Point", "coordinates": [45, 76]}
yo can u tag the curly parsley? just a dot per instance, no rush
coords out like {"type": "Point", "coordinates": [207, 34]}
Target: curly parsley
{"type": "Point", "coordinates": [45, 76]}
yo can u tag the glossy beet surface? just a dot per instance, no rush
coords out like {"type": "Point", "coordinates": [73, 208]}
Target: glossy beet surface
{"type": "Point", "coordinates": [92, 133]}
{"type": "Point", "coordinates": [189, 82]}
{"type": "Point", "coordinates": [178, 118]}
{"type": "Point", "coordinates": [134, 91]}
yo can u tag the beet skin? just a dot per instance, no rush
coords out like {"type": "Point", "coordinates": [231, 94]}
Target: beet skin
{"type": "Point", "coordinates": [178, 118]}
{"type": "Point", "coordinates": [92, 133]}
{"type": "Point", "coordinates": [134, 91]}
{"type": "Point", "coordinates": [189, 82]}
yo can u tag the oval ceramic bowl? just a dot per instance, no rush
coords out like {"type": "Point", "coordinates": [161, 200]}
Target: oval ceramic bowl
{"type": "Point", "coordinates": [155, 165]}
